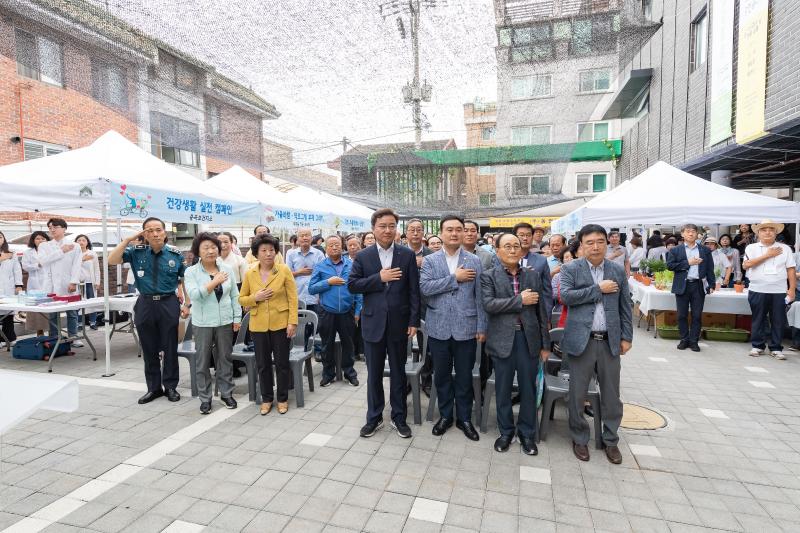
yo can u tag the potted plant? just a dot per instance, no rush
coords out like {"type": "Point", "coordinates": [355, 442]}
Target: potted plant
{"type": "Point", "coordinates": [726, 333]}
{"type": "Point", "coordinates": [738, 286]}
{"type": "Point", "coordinates": [717, 274]}
{"type": "Point", "coordinates": [668, 332]}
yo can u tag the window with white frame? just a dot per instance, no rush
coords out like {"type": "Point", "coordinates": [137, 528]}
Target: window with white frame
{"type": "Point", "coordinates": [487, 133]}
{"type": "Point", "coordinates": [487, 199]}
{"type": "Point", "coordinates": [593, 131]}
{"type": "Point", "coordinates": [592, 81]}
{"type": "Point", "coordinates": [36, 149]}
{"type": "Point", "coordinates": [591, 182]}
{"type": "Point", "coordinates": [109, 83]}
{"type": "Point", "coordinates": [529, 185]}
{"type": "Point", "coordinates": [39, 58]}
{"type": "Point", "coordinates": [538, 86]}
{"type": "Point", "coordinates": [699, 51]}
{"type": "Point", "coordinates": [523, 135]}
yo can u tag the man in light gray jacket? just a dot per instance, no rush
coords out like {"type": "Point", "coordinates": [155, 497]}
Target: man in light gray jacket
{"type": "Point", "coordinates": [455, 322]}
{"type": "Point", "coordinates": [599, 330]}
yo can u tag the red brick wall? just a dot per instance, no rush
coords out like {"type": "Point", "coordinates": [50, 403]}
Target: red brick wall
{"type": "Point", "coordinates": [239, 142]}
{"type": "Point", "coordinates": [217, 166]}
{"type": "Point", "coordinates": [60, 115]}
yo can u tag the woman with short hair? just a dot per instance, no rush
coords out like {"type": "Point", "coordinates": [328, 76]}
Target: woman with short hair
{"type": "Point", "coordinates": [216, 317]}
{"type": "Point", "coordinates": [269, 290]}
{"type": "Point", "coordinates": [36, 279]}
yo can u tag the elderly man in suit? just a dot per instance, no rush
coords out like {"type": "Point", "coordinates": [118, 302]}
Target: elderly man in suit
{"type": "Point", "coordinates": [517, 336]}
{"type": "Point", "coordinates": [598, 331]}
{"type": "Point", "coordinates": [455, 323]}
{"type": "Point", "coordinates": [388, 277]}
{"type": "Point", "coordinates": [532, 259]}
{"type": "Point", "coordinates": [693, 265]}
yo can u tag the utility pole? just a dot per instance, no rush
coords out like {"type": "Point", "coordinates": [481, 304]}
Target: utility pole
{"type": "Point", "coordinates": [413, 93]}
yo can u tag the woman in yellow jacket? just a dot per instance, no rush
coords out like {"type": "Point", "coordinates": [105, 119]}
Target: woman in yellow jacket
{"type": "Point", "coordinates": [270, 292]}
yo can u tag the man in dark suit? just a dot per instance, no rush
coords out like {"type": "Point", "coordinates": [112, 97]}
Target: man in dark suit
{"type": "Point", "coordinates": [532, 259]}
{"type": "Point", "coordinates": [517, 336]}
{"type": "Point", "coordinates": [694, 277]}
{"type": "Point", "coordinates": [599, 330]}
{"type": "Point", "coordinates": [415, 233]}
{"type": "Point", "coordinates": [387, 276]}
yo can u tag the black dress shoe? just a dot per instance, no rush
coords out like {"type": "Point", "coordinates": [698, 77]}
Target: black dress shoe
{"type": "Point", "coordinates": [581, 451]}
{"type": "Point", "coordinates": [229, 403]}
{"type": "Point", "coordinates": [469, 430]}
{"type": "Point", "coordinates": [441, 426]}
{"type": "Point", "coordinates": [694, 347]}
{"type": "Point", "coordinates": [528, 446]}
{"type": "Point", "coordinates": [205, 408]}
{"type": "Point", "coordinates": [172, 395]}
{"type": "Point", "coordinates": [353, 381]}
{"type": "Point", "coordinates": [402, 429]}
{"type": "Point", "coordinates": [503, 442]}
{"type": "Point", "coordinates": [683, 345]}
{"type": "Point", "coordinates": [613, 454]}
{"type": "Point", "coordinates": [324, 382]}
{"type": "Point", "coordinates": [150, 396]}
{"type": "Point", "coordinates": [370, 428]}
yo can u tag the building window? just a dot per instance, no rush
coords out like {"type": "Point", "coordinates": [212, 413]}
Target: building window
{"type": "Point", "coordinates": [37, 149]}
{"type": "Point", "coordinates": [174, 140]}
{"type": "Point", "coordinates": [39, 58]}
{"type": "Point", "coordinates": [487, 199]}
{"type": "Point", "coordinates": [522, 135]}
{"type": "Point", "coordinates": [539, 86]}
{"type": "Point", "coordinates": [592, 81]}
{"type": "Point", "coordinates": [529, 185]}
{"type": "Point", "coordinates": [581, 43]}
{"type": "Point", "coordinates": [485, 171]}
{"type": "Point", "coordinates": [647, 9]}
{"type": "Point", "coordinates": [487, 133]}
{"type": "Point", "coordinates": [699, 51]}
{"type": "Point", "coordinates": [109, 84]}
{"type": "Point", "coordinates": [532, 43]}
{"type": "Point", "coordinates": [213, 118]}
{"type": "Point", "coordinates": [177, 72]}
{"type": "Point", "coordinates": [593, 131]}
{"type": "Point", "coordinates": [589, 183]}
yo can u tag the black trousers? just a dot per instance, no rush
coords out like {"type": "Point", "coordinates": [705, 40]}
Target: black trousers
{"type": "Point", "coordinates": [525, 365]}
{"type": "Point", "coordinates": [269, 345]}
{"type": "Point", "coordinates": [329, 325]}
{"type": "Point", "coordinates": [693, 297]}
{"type": "Point", "coordinates": [375, 354]}
{"type": "Point", "coordinates": [8, 328]}
{"type": "Point", "coordinates": [447, 355]}
{"type": "Point", "coordinates": [156, 322]}
{"type": "Point", "coordinates": [769, 315]}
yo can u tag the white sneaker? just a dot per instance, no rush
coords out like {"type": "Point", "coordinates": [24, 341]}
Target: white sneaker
{"type": "Point", "coordinates": [777, 354]}
{"type": "Point", "coordinates": [77, 344]}
{"type": "Point", "coordinates": [755, 352]}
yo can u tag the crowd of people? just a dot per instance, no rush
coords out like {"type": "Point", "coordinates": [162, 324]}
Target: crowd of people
{"type": "Point", "coordinates": [490, 299]}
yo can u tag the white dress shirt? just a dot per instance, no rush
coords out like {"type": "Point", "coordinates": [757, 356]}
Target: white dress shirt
{"type": "Point", "coordinates": [385, 255]}
{"type": "Point", "coordinates": [599, 319]}
{"type": "Point", "coordinates": [452, 260]}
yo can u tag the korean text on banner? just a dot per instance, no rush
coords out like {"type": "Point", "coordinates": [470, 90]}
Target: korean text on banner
{"type": "Point", "coordinates": [721, 71]}
{"type": "Point", "coordinates": [751, 72]}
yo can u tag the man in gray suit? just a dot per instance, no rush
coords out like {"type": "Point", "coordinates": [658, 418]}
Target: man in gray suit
{"type": "Point", "coordinates": [517, 337]}
{"type": "Point", "coordinates": [598, 331]}
{"type": "Point", "coordinates": [455, 322]}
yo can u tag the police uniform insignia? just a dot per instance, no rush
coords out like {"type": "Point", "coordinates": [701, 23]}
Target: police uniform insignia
{"type": "Point", "coordinates": [171, 263]}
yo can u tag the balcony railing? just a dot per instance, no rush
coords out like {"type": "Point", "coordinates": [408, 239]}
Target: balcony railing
{"type": "Point", "coordinates": [516, 11]}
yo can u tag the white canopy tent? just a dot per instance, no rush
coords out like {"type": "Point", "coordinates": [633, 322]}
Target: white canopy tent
{"type": "Point", "coordinates": [114, 178]}
{"type": "Point", "coordinates": [296, 205]}
{"type": "Point", "coordinates": [663, 194]}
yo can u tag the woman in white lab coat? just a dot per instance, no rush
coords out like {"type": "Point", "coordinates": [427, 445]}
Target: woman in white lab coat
{"type": "Point", "coordinates": [90, 273]}
{"type": "Point", "coordinates": [36, 279]}
{"type": "Point", "coordinates": [10, 284]}
{"type": "Point", "coordinates": [61, 260]}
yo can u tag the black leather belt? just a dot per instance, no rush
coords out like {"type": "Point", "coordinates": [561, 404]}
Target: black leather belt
{"type": "Point", "coordinates": [692, 281]}
{"type": "Point", "coordinates": [157, 297]}
{"type": "Point", "coordinates": [598, 335]}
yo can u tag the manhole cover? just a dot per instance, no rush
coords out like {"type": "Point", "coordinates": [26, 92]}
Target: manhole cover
{"type": "Point", "coordinates": [638, 417]}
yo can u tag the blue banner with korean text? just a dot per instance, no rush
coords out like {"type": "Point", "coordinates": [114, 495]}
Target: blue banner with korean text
{"type": "Point", "coordinates": [292, 219]}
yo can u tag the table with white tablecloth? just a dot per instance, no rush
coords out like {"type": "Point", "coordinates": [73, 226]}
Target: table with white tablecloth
{"type": "Point", "coordinates": [653, 301]}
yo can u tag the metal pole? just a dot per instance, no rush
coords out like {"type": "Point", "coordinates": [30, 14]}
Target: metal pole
{"type": "Point", "coordinates": [106, 313]}
{"type": "Point", "coordinates": [416, 94]}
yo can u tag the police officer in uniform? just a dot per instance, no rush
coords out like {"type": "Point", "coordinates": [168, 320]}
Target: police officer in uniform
{"type": "Point", "coordinates": [158, 271]}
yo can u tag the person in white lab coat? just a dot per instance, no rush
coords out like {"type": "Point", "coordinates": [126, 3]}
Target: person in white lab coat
{"type": "Point", "coordinates": [36, 279]}
{"type": "Point", "coordinates": [61, 261]}
{"type": "Point", "coordinates": [10, 284]}
{"type": "Point", "coordinates": [90, 273]}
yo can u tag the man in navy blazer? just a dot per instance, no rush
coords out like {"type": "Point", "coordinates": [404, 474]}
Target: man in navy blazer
{"type": "Point", "coordinates": [694, 277]}
{"type": "Point", "coordinates": [455, 322]}
{"type": "Point", "coordinates": [388, 277]}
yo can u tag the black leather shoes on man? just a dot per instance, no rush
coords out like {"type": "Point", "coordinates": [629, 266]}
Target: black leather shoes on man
{"type": "Point", "coordinates": [683, 345]}
{"type": "Point", "coordinates": [528, 446]}
{"type": "Point", "coordinates": [503, 442]}
{"type": "Point", "coordinates": [229, 403]}
{"type": "Point", "coordinates": [402, 429]}
{"type": "Point", "coordinates": [150, 396]}
{"type": "Point", "coordinates": [173, 396]}
{"type": "Point", "coordinates": [441, 426]}
{"type": "Point", "coordinates": [469, 430]}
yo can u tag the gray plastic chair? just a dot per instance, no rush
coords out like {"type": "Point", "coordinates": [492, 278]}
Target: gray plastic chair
{"type": "Point", "coordinates": [186, 349]}
{"type": "Point", "coordinates": [413, 370]}
{"type": "Point", "coordinates": [248, 358]}
{"type": "Point", "coordinates": [557, 388]}
{"type": "Point", "coordinates": [476, 391]}
{"type": "Point", "coordinates": [301, 355]}
{"type": "Point", "coordinates": [554, 362]}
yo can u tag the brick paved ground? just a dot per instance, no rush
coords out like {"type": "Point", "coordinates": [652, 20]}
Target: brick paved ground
{"type": "Point", "coordinates": [727, 460]}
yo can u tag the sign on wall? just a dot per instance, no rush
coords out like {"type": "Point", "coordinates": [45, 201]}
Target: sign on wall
{"type": "Point", "coordinates": [721, 71]}
{"type": "Point", "coordinates": [751, 72]}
